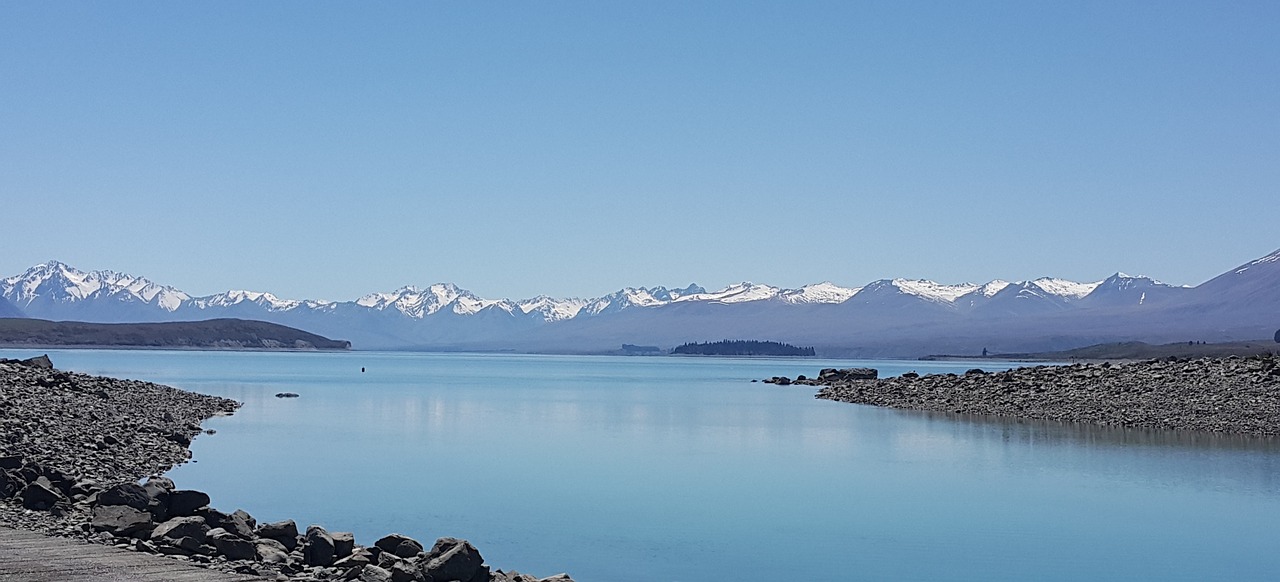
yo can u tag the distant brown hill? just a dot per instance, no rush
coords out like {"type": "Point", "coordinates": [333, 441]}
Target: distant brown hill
{"type": "Point", "coordinates": [213, 333]}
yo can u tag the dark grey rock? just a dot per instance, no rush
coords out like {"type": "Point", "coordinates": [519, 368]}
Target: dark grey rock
{"type": "Point", "coordinates": [371, 573]}
{"type": "Point", "coordinates": [40, 495]}
{"type": "Point", "coordinates": [271, 551]}
{"type": "Point", "coordinates": [454, 559]}
{"type": "Point", "coordinates": [318, 547]}
{"type": "Point", "coordinates": [130, 494]}
{"type": "Point", "coordinates": [41, 362]}
{"type": "Point", "coordinates": [343, 543]}
{"type": "Point", "coordinates": [185, 502]}
{"type": "Point", "coordinates": [233, 523]}
{"type": "Point", "coordinates": [248, 519]}
{"type": "Point", "coordinates": [231, 545]}
{"type": "Point", "coordinates": [285, 532]}
{"type": "Point", "coordinates": [181, 527]}
{"type": "Point", "coordinates": [122, 521]}
{"type": "Point", "coordinates": [399, 545]}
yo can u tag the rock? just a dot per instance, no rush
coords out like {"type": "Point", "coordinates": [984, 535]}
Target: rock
{"type": "Point", "coordinates": [371, 573]}
{"type": "Point", "coordinates": [343, 543]}
{"type": "Point", "coordinates": [827, 375]}
{"type": "Point", "coordinates": [285, 532]}
{"type": "Point", "coordinates": [230, 522]}
{"type": "Point", "coordinates": [399, 545]}
{"type": "Point", "coordinates": [122, 521]}
{"type": "Point", "coordinates": [231, 545]}
{"type": "Point", "coordinates": [358, 559]}
{"type": "Point", "coordinates": [454, 559]}
{"type": "Point", "coordinates": [181, 527]}
{"type": "Point", "coordinates": [130, 494]}
{"type": "Point", "coordinates": [41, 362]}
{"type": "Point", "coordinates": [157, 484]}
{"type": "Point", "coordinates": [407, 571]}
{"type": "Point", "coordinates": [185, 502]}
{"type": "Point", "coordinates": [318, 547]}
{"type": "Point", "coordinates": [271, 551]}
{"type": "Point", "coordinates": [10, 462]}
{"type": "Point", "coordinates": [10, 484]}
{"type": "Point", "coordinates": [40, 495]}
{"type": "Point", "coordinates": [248, 519]}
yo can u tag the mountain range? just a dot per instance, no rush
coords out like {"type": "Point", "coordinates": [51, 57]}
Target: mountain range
{"type": "Point", "coordinates": [884, 318]}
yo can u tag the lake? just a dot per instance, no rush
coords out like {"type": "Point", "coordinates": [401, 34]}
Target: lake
{"type": "Point", "coordinates": [619, 469]}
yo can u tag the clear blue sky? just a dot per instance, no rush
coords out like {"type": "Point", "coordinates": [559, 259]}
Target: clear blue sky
{"type": "Point", "coordinates": [326, 150]}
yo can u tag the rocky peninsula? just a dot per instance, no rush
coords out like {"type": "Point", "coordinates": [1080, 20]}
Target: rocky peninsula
{"type": "Point", "coordinates": [1238, 395]}
{"type": "Point", "coordinates": [74, 450]}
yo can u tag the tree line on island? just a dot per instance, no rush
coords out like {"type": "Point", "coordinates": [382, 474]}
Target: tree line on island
{"type": "Point", "coordinates": [742, 348]}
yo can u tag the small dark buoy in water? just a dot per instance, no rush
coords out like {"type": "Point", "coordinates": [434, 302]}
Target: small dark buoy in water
{"type": "Point", "coordinates": [361, 370]}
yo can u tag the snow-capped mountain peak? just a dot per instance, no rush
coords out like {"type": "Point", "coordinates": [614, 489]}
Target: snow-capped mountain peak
{"type": "Point", "coordinates": [58, 282]}
{"type": "Point", "coordinates": [991, 288]}
{"type": "Point", "coordinates": [932, 291]}
{"type": "Point", "coordinates": [552, 309]}
{"type": "Point", "coordinates": [736, 293]}
{"type": "Point", "coordinates": [824, 292]}
{"type": "Point", "coordinates": [1064, 288]}
{"type": "Point", "coordinates": [238, 296]}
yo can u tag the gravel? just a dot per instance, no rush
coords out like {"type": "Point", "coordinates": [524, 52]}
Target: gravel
{"type": "Point", "coordinates": [1226, 395]}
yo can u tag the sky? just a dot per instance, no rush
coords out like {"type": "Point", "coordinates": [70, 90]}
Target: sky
{"type": "Point", "coordinates": [328, 150]}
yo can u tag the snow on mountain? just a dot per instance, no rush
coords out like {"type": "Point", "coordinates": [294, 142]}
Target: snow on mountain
{"type": "Point", "coordinates": [990, 289]}
{"type": "Point", "coordinates": [551, 309]}
{"type": "Point", "coordinates": [626, 298]}
{"type": "Point", "coordinates": [932, 291]}
{"type": "Point", "coordinates": [1065, 288]}
{"type": "Point", "coordinates": [738, 293]}
{"type": "Point", "coordinates": [1271, 258]}
{"type": "Point", "coordinates": [57, 282]}
{"type": "Point", "coordinates": [825, 292]}
{"type": "Point", "coordinates": [264, 300]}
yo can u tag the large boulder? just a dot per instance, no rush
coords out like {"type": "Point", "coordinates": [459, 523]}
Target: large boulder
{"type": "Point", "coordinates": [454, 559]}
{"type": "Point", "coordinates": [122, 521]}
{"type": "Point", "coordinates": [42, 362]}
{"type": "Point", "coordinates": [185, 502]}
{"type": "Point", "coordinates": [232, 522]}
{"type": "Point", "coordinates": [248, 519]}
{"type": "Point", "coordinates": [130, 494]}
{"type": "Point", "coordinates": [181, 527]}
{"type": "Point", "coordinates": [40, 494]}
{"type": "Point", "coordinates": [285, 532]}
{"type": "Point", "coordinates": [271, 551]}
{"type": "Point", "coordinates": [399, 545]}
{"type": "Point", "coordinates": [343, 543]}
{"type": "Point", "coordinates": [232, 546]}
{"type": "Point", "coordinates": [318, 547]}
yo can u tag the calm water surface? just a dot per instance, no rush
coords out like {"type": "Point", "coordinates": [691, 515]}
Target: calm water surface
{"type": "Point", "coordinates": [681, 469]}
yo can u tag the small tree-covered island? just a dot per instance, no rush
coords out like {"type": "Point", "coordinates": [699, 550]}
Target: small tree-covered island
{"type": "Point", "coordinates": [742, 348]}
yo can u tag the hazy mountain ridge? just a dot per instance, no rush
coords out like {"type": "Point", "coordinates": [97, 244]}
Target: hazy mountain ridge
{"type": "Point", "coordinates": [213, 333]}
{"type": "Point", "coordinates": [884, 317]}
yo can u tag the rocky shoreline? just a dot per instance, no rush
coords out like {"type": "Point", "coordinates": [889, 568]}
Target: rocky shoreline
{"type": "Point", "coordinates": [74, 447]}
{"type": "Point", "coordinates": [1239, 395]}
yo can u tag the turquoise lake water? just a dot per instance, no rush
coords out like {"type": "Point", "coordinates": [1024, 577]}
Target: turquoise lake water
{"type": "Point", "coordinates": [681, 469]}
